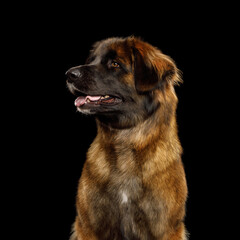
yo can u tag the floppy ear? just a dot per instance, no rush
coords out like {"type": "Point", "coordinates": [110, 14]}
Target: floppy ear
{"type": "Point", "coordinates": [152, 69]}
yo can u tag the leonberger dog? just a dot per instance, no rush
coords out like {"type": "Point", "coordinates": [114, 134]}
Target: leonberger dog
{"type": "Point", "coordinates": [133, 182]}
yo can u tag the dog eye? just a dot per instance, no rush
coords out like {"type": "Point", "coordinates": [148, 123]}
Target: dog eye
{"type": "Point", "coordinates": [115, 65]}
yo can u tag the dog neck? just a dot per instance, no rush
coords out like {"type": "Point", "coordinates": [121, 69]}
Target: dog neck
{"type": "Point", "coordinates": [153, 131]}
{"type": "Point", "coordinates": [141, 143]}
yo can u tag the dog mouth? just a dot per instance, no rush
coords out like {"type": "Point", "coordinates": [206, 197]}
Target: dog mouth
{"type": "Point", "coordinates": [107, 100]}
{"type": "Point", "coordinates": [89, 103]}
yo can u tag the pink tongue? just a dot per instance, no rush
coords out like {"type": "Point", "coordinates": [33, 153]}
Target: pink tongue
{"type": "Point", "coordinates": [81, 100]}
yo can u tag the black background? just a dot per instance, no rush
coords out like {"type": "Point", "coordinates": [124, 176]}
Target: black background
{"type": "Point", "coordinates": [49, 139]}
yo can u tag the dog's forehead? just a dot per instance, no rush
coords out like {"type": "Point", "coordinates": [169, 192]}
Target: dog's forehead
{"type": "Point", "coordinates": [114, 48]}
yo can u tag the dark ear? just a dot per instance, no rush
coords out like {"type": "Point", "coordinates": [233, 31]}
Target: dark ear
{"type": "Point", "coordinates": [145, 76]}
{"type": "Point", "coordinates": [152, 69]}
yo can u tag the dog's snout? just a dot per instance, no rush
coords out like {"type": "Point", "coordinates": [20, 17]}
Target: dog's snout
{"type": "Point", "coordinates": [73, 74]}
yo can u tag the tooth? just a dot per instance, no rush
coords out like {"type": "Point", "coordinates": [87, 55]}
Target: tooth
{"type": "Point", "coordinates": [106, 96]}
{"type": "Point", "coordinates": [88, 100]}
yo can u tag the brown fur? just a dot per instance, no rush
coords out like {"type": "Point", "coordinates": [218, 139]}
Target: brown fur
{"type": "Point", "coordinates": [133, 183]}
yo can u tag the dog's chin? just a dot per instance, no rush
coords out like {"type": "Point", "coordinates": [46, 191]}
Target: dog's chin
{"type": "Point", "coordinates": [85, 111]}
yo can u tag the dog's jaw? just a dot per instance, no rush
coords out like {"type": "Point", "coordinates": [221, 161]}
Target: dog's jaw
{"type": "Point", "coordinates": [84, 111]}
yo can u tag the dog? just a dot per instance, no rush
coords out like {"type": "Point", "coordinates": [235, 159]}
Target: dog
{"type": "Point", "coordinates": [133, 183]}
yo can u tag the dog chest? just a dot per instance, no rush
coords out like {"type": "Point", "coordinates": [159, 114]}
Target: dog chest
{"type": "Point", "coordinates": [130, 201]}
{"type": "Point", "coordinates": [134, 220]}
{"type": "Point", "coordinates": [119, 202]}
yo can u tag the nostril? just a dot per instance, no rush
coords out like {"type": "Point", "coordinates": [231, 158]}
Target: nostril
{"type": "Point", "coordinates": [73, 74]}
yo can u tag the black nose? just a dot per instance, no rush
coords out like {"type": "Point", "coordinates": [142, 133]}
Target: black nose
{"type": "Point", "coordinates": [73, 74]}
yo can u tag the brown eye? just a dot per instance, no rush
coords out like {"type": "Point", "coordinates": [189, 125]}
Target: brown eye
{"type": "Point", "coordinates": [115, 65]}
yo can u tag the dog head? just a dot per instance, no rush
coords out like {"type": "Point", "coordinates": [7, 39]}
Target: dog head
{"type": "Point", "coordinates": [122, 80]}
